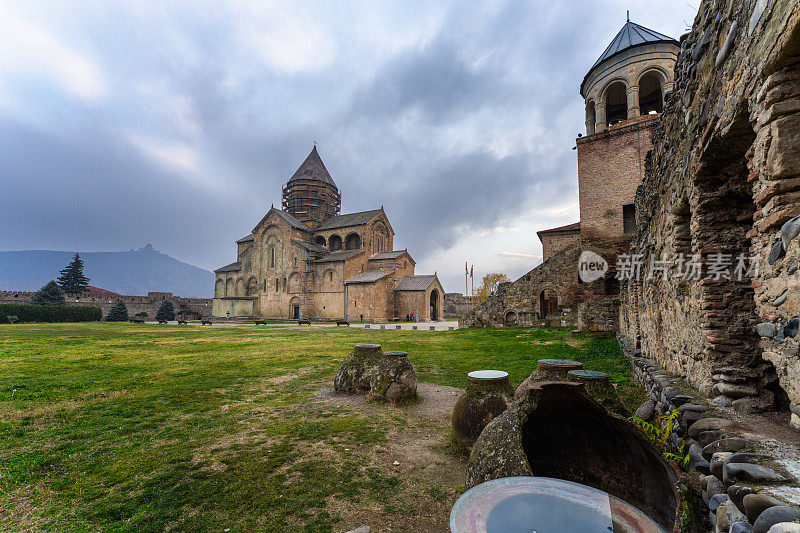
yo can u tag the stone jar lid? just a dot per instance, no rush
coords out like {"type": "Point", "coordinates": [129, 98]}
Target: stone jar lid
{"type": "Point", "coordinates": [396, 354]}
{"type": "Point", "coordinates": [487, 376]}
{"type": "Point", "coordinates": [588, 375]}
{"type": "Point", "coordinates": [559, 364]}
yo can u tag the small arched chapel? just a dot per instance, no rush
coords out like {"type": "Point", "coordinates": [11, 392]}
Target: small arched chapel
{"type": "Point", "coordinates": [307, 260]}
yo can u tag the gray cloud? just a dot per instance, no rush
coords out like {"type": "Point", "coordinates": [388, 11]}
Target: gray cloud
{"type": "Point", "coordinates": [178, 126]}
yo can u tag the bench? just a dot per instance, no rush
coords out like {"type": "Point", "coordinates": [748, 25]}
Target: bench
{"type": "Point", "coordinates": [261, 322]}
{"type": "Point", "coordinates": [342, 323]}
{"type": "Point", "coordinates": [162, 321]}
{"type": "Point", "coordinates": [182, 322]}
{"type": "Point", "coordinates": [303, 321]}
{"type": "Point", "coordinates": [205, 322]}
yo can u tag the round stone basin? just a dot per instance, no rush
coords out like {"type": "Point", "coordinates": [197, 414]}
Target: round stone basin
{"type": "Point", "coordinates": [544, 505]}
{"type": "Point", "coordinates": [559, 364]}
{"type": "Point", "coordinates": [483, 376]}
{"type": "Point", "coordinates": [396, 354]}
{"type": "Point", "coordinates": [588, 375]}
{"type": "Point", "coordinates": [369, 346]}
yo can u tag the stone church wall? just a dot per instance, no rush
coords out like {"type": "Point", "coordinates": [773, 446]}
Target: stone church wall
{"type": "Point", "coordinates": [723, 178]}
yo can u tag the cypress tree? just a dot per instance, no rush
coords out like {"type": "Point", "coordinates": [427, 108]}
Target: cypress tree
{"type": "Point", "coordinates": [118, 313]}
{"type": "Point", "coordinates": [166, 311]}
{"type": "Point", "coordinates": [50, 294]}
{"type": "Point", "coordinates": [72, 280]}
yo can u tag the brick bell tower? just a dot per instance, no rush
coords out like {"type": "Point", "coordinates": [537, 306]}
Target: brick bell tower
{"type": "Point", "coordinates": [311, 196]}
{"type": "Point", "coordinates": [624, 93]}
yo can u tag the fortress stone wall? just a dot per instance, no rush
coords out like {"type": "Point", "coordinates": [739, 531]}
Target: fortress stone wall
{"type": "Point", "coordinates": [724, 178]}
{"type": "Point", "coordinates": [135, 304]}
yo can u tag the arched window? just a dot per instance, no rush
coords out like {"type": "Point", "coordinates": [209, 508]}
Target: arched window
{"type": "Point", "coordinates": [334, 243]}
{"type": "Point", "coordinates": [352, 242]}
{"type": "Point", "coordinates": [276, 285]}
{"type": "Point", "coordinates": [650, 96]}
{"type": "Point", "coordinates": [319, 240]}
{"type": "Point", "coordinates": [616, 103]}
{"type": "Point", "coordinates": [272, 256]}
{"type": "Point", "coordinates": [294, 261]}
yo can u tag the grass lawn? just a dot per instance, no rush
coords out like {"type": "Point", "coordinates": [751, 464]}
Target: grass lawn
{"type": "Point", "coordinates": [129, 427]}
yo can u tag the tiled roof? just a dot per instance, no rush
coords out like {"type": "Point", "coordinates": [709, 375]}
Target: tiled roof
{"type": "Point", "coordinates": [388, 255]}
{"type": "Point", "coordinates": [339, 255]}
{"type": "Point", "coordinates": [249, 238]}
{"type": "Point", "coordinates": [233, 267]}
{"type": "Point", "coordinates": [416, 283]}
{"type": "Point", "coordinates": [310, 246]}
{"type": "Point", "coordinates": [576, 226]}
{"type": "Point", "coordinates": [313, 169]}
{"type": "Point", "coordinates": [370, 276]}
{"type": "Point", "coordinates": [98, 292]}
{"type": "Point", "coordinates": [630, 35]}
{"type": "Point", "coordinates": [291, 220]}
{"type": "Point", "coordinates": [349, 219]}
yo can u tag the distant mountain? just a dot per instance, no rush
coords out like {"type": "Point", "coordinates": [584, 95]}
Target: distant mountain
{"type": "Point", "coordinates": [132, 273]}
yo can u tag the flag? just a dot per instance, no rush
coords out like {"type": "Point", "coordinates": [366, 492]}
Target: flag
{"type": "Point", "coordinates": [471, 269]}
{"type": "Point", "coordinates": [466, 270]}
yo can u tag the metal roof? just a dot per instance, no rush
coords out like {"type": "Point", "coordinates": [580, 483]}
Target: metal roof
{"type": "Point", "coordinates": [249, 238]}
{"type": "Point", "coordinates": [349, 219]}
{"type": "Point", "coordinates": [388, 255]}
{"type": "Point", "coordinates": [289, 219]}
{"type": "Point", "coordinates": [233, 267]}
{"type": "Point", "coordinates": [416, 283]}
{"type": "Point", "coordinates": [576, 226]}
{"type": "Point", "coordinates": [631, 35]}
{"type": "Point", "coordinates": [370, 276]}
{"type": "Point", "coordinates": [313, 169]}
{"type": "Point", "coordinates": [339, 255]}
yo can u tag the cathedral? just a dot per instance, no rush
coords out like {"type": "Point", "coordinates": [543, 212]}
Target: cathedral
{"type": "Point", "coordinates": [309, 261]}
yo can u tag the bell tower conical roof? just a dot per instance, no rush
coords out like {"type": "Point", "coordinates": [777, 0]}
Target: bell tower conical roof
{"type": "Point", "coordinates": [313, 169]}
{"type": "Point", "coordinates": [630, 36]}
{"type": "Point", "coordinates": [310, 195]}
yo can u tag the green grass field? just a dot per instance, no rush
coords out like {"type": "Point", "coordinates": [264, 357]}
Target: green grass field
{"type": "Point", "coordinates": [124, 427]}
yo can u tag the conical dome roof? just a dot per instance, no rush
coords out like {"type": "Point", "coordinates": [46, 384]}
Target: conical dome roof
{"type": "Point", "coordinates": [313, 169]}
{"type": "Point", "coordinates": [630, 36]}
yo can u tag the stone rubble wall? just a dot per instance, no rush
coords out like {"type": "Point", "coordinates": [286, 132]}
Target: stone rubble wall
{"type": "Point", "coordinates": [724, 177]}
{"type": "Point", "coordinates": [743, 485]}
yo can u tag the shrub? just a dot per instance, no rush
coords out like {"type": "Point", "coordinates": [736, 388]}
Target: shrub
{"type": "Point", "coordinates": [118, 313]}
{"type": "Point", "coordinates": [141, 314]}
{"type": "Point", "coordinates": [50, 294]}
{"type": "Point", "coordinates": [49, 313]}
{"type": "Point", "coordinates": [166, 311]}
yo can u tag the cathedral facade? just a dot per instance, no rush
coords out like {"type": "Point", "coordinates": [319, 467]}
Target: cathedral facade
{"type": "Point", "coordinates": [307, 260]}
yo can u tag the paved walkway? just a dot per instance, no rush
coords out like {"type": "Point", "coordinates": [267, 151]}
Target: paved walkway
{"type": "Point", "coordinates": [445, 325]}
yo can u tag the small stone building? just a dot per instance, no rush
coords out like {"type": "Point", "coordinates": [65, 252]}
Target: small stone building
{"type": "Point", "coordinates": [624, 95]}
{"type": "Point", "coordinates": [308, 260]}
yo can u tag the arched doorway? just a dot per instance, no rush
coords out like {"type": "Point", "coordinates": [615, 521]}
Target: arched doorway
{"type": "Point", "coordinates": [352, 242]}
{"type": "Point", "coordinates": [434, 304]}
{"type": "Point", "coordinates": [548, 303]}
{"type": "Point", "coordinates": [320, 241]}
{"type": "Point", "coordinates": [511, 319]}
{"type": "Point", "coordinates": [616, 103]}
{"type": "Point", "coordinates": [334, 243]}
{"type": "Point", "coordinates": [294, 308]}
{"type": "Point", "coordinates": [650, 93]}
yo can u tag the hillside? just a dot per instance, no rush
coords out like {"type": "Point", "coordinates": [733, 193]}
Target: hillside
{"type": "Point", "coordinates": [135, 272]}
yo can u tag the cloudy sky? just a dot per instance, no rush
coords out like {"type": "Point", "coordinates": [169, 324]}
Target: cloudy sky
{"type": "Point", "coordinates": [176, 123]}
